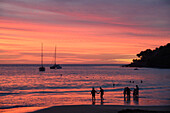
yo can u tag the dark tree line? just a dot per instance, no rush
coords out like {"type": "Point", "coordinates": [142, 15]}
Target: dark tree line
{"type": "Point", "coordinates": [159, 57]}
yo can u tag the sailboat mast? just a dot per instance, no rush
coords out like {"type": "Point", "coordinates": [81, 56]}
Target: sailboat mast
{"type": "Point", "coordinates": [55, 54]}
{"type": "Point", "coordinates": [42, 54]}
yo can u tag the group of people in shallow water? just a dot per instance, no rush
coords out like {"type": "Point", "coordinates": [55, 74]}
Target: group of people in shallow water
{"type": "Point", "coordinates": [93, 93]}
{"type": "Point", "coordinates": [126, 92]}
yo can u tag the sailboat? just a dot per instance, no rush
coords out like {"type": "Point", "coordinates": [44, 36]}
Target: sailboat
{"type": "Point", "coordinates": [42, 68]}
{"type": "Point", "coordinates": [55, 66]}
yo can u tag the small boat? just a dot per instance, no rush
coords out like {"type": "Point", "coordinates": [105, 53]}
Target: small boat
{"type": "Point", "coordinates": [136, 69]}
{"type": "Point", "coordinates": [55, 66]}
{"type": "Point", "coordinates": [42, 68]}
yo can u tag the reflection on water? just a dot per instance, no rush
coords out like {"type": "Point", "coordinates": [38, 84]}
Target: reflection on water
{"type": "Point", "coordinates": [26, 86]}
{"type": "Point", "coordinates": [136, 100]}
{"type": "Point", "coordinates": [127, 99]}
{"type": "Point", "coordinates": [93, 101]}
{"type": "Point", "coordinates": [102, 101]}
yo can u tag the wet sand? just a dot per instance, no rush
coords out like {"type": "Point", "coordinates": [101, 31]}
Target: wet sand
{"type": "Point", "coordinates": [105, 109]}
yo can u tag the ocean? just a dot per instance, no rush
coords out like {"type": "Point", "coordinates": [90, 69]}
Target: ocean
{"type": "Point", "coordinates": [24, 87]}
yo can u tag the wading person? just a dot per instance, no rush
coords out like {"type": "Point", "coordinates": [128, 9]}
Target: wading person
{"type": "Point", "coordinates": [93, 93]}
{"type": "Point", "coordinates": [128, 92]}
{"type": "Point", "coordinates": [125, 91]}
{"type": "Point", "coordinates": [136, 90]}
{"type": "Point", "coordinates": [101, 93]}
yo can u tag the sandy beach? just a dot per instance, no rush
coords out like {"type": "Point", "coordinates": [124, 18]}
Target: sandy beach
{"type": "Point", "coordinates": [105, 109]}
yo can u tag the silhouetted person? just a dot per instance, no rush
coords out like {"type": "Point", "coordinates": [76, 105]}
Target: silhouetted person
{"type": "Point", "coordinates": [128, 92]}
{"type": "Point", "coordinates": [127, 100]}
{"type": "Point", "coordinates": [141, 81]}
{"type": "Point", "coordinates": [93, 93]}
{"type": "Point", "coordinates": [130, 81]}
{"type": "Point", "coordinates": [125, 91]}
{"type": "Point", "coordinates": [136, 91]}
{"type": "Point", "coordinates": [101, 93]}
{"type": "Point", "coordinates": [136, 95]}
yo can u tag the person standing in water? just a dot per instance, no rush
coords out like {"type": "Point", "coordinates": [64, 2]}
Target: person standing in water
{"type": "Point", "coordinates": [93, 93]}
{"type": "Point", "coordinates": [128, 92]}
{"type": "Point", "coordinates": [125, 92]}
{"type": "Point", "coordinates": [101, 93]}
{"type": "Point", "coordinates": [137, 90]}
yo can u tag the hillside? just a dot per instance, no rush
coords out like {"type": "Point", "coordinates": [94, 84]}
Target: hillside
{"type": "Point", "coordinates": [159, 58]}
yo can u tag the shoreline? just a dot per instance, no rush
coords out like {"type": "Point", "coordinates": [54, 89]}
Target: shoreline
{"type": "Point", "coordinates": [105, 109]}
{"type": "Point", "coordinates": [137, 66]}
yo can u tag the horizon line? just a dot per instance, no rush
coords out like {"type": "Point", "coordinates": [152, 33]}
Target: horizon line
{"type": "Point", "coordinates": [62, 64]}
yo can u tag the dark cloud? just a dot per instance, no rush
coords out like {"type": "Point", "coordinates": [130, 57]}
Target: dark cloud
{"type": "Point", "coordinates": [15, 45]}
{"type": "Point", "coordinates": [147, 35]}
{"type": "Point", "coordinates": [132, 34]}
{"type": "Point", "coordinates": [20, 29]}
{"type": "Point", "coordinates": [19, 61]}
{"type": "Point", "coordinates": [6, 57]}
{"type": "Point", "coordinates": [3, 51]}
{"type": "Point", "coordinates": [11, 36]}
{"type": "Point", "coordinates": [16, 39]}
{"type": "Point", "coordinates": [123, 13]}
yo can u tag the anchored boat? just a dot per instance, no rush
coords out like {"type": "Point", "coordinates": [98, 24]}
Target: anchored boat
{"type": "Point", "coordinates": [55, 66]}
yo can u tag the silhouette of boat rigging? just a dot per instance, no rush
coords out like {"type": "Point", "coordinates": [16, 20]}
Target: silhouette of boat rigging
{"type": "Point", "coordinates": [42, 68]}
{"type": "Point", "coordinates": [55, 66]}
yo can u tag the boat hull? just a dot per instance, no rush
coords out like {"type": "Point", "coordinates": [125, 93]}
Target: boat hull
{"type": "Point", "coordinates": [52, 67]}
{"type": "Point", "coordinates": [42, 69]}
{"type": "Point", "coordinates": [56, 67]}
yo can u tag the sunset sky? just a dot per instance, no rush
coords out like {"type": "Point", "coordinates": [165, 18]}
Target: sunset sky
{"type": "Point", "coordinates": [84, 31]}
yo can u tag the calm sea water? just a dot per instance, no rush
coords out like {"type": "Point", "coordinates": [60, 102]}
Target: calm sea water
{"type": "Point", "coordinates": [24, 86]}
